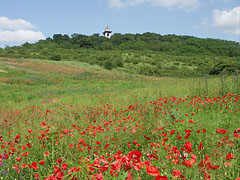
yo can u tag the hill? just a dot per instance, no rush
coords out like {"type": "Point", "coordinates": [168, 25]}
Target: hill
{"type": "Point", "coordinates": [147, 54]}
{"type": "Point", "coordinates": [72, 120]}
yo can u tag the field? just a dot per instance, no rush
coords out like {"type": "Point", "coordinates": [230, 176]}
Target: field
{"type": "Point", "coordinates": [71, 120]}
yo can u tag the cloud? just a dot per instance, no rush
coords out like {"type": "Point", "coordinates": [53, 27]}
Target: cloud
{"type": "Point", "coordinates": [20, 36]}
{"type": "Point", "coordinates": [18, 31]}
{"type": "Point", "coordinates": [15, 24]}
{"type": "Point", "coordinates": [117, 3]}
{"type": "Point", "coordinates": [203, 24]}
{"type": "Point", "coordinates": [227, 21]}
{"type": "Point", "coordinates": [185, 4]}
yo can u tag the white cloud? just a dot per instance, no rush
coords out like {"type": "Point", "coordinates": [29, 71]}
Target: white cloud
{"type": "Point", "coordinates": [185, 4]}
{"type": "Point", "coordinates": [117, 3]}
{"type": "Point", "coordinates": [227, 21]}
{"type": "Point", "coordinates": [20, 36]}
{"type": "Point", "coordinates": [18, 31]}
{"type": "Point", "coordinates": [14, 24]}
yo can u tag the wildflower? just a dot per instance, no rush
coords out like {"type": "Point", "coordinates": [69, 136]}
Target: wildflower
{"type": "Point", "coordinates": [64, 166]}
{"type": "Point", "coordinates": [18, 159]}
{"type": "Point", "coordinates": [42, 162]}
{"type": "Point", "coordinates": [59, 161]}
{"type": "Point", "coordinates": [229, 156]}
{"type": "Point", "coordinates": [30, 131]}
{"type": "Point", "coordinates": [161, 178]}
{"type": "Point", "coordinates": [134, 142]}
{"type": "Point", "coordinates": [17, 137]}
{"type": "Point", "coordinates": [152, 170]}
{"type": "Point", "coordinates": [36, 176]}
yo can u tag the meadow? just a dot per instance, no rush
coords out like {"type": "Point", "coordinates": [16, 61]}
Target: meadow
{"type": "Point", "coordinates": [72, 120]}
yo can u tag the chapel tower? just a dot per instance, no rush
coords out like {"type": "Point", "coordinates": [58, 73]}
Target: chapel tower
{"type": "Point", "coordinates": [107, 33]}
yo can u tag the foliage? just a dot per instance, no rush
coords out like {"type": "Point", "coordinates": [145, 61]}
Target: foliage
{"type": "Point", "coordinates": [56, 57]}
{"type": "Point", "coordinates": [172, 55]}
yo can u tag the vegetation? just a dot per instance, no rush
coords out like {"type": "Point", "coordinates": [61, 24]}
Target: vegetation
{"type": "Point", "coordinates": [71, 120]}
{"type": "Point", "coordinates": [146, 54]}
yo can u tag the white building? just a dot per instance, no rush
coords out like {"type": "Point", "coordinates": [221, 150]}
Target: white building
{"type": "Point", "coordinates": [107, 33]}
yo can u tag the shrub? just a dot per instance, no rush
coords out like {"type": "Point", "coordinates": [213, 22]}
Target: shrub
{"type": "Point", "coordinates": [56, 57]}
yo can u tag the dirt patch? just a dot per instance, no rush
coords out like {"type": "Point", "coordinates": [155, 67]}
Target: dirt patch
{"type": "Point", "coordinates": [3, 71]}
{"type": "Point", "coordinates": [5, 80]}
{"type": "Point", "coordinates": [50, 100]}
{"type": "Point", "coordinates": [54, 68]}
{"type": "Point", "coordinates": [13, 63]}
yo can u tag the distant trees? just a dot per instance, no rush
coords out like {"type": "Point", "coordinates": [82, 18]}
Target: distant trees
{"type": "Point", "coordinates": [147, 54]}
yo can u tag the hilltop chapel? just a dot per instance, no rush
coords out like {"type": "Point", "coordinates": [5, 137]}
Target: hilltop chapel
{"type": "Point", "coordinates": [107, 33]}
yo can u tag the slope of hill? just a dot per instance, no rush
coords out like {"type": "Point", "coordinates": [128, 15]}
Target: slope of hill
{"type": "Point", "coordinates": [146, 54]}
{"type": "Point", "coordinates": [72, 120]}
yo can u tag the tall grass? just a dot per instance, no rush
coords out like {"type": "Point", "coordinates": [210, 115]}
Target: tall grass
{"type": "Point", "coordinates": [95, 121]}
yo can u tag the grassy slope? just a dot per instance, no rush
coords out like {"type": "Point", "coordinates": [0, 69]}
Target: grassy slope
{"type": "Point", "coordinates": [25, 82]}
{"type": "Point", "coordinates": [49, 85]}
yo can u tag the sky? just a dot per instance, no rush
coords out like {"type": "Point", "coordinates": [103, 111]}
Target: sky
{"type": "Point", "coordinates": [31, 20]}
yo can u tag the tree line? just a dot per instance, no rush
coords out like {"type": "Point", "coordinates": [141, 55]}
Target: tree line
{"type": "Point", "coordinates": [147, 53]}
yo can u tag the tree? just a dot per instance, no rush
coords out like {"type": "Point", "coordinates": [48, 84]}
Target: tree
{"type": "Point", "coordinates": [108, 65]}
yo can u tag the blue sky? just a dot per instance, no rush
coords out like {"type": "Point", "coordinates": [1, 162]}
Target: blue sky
{"type": "Point", "coordinates": [28, 20]}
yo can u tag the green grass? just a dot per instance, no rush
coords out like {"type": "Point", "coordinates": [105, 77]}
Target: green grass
{"type": "Point", "coordinates": [78, 101]}
{"type": "Point", "coordinates": [31, 85]}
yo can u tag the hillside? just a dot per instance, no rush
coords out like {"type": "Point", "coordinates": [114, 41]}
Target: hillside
{"type": "Point", "coordinates": [146, 54]}
{"type": "Point", "coordinates": [72, 120]}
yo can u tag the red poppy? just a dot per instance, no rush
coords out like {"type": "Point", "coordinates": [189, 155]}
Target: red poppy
{"type": "Point", "coordinates": [36, 176]}
{"type": "Point", "coordinates": [18, 158]}
{"type": "Point", "coordinates": [176, 173]}
{"type": "Point", "coordinates": [34, 165]}
{"type": "Point", "coordinates": [221, 131]}
{"type": "Point", "coordinates": [17, 137]}
{"type": "Point", "coordinates": [24, 165]}
{"type": "Point", "coordinates": [42, 162]}
{"type": "Point", "coordinates": [229, 156]}
{"type": "Point", "coordinates": [59, 161]}
{"type": "Point", "coordinates": [152, 170]}
{"type": "Point", "coordinates": [161, 178]}
{"type": "Point", "coordinates": [30, 131]}
{"type": "Point", "coordinates": [200, 146]}
{"type": "Point", "coordinates": [64, 166]}
{"type": "Point", "coordinates": [134, 142]}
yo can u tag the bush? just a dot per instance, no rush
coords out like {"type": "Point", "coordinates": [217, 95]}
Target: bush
{"type": "Point", "coordinates": [118, 63]}
{"type": "Point", "coordinates": [108, 65]}
{"type": "Point", "coordinates": [56, 57]}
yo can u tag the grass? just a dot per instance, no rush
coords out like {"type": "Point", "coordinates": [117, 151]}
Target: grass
{"type": "Point", "coordinates": [116, 125]}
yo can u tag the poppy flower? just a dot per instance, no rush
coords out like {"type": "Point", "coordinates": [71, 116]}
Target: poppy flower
{"type": "Point", "coordinates": [161, 178]}
{"type": "Point", "coordinates": [229, 156]}
{"type": "Point", "coordinates": [18, 158]}
{"type": "Point", "coordinates": [42, 162]}
{"type": "Point", "coordinates": [30, 131]}
{"type": "Point", "coordinates": [176, 173]}
{"type": "Point", "coordinates": [17, 137]}
{"type": "Point", "coordinates": [200, 146]}
{"type": "Point", "coordinates": [152, 170]}
{"type": "Point", "coordinates": [59, 161]}
{"type": "Point", "coordinates": [64, 166]}
{"type": "Point", "coordinates": [24, 165]}
{"type": "Point", "coordinates": [36, 176]}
